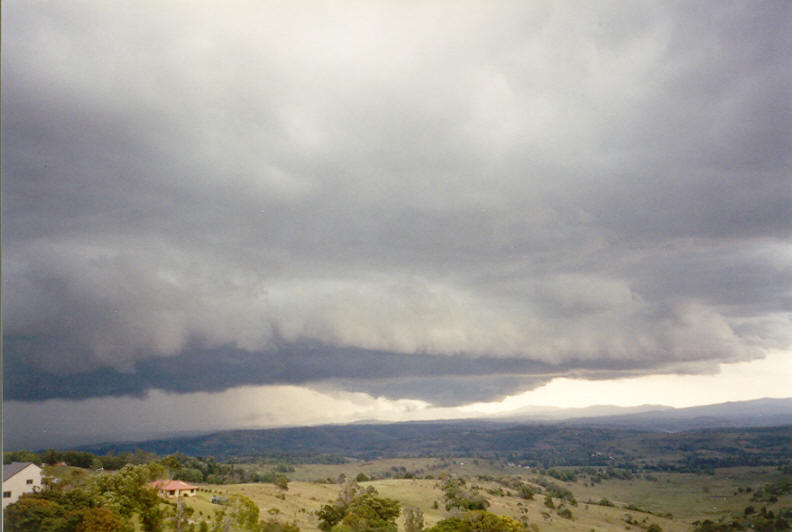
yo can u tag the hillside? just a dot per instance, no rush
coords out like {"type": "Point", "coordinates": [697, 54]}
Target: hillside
{"type": "Point", "coordinates": [548, 445]}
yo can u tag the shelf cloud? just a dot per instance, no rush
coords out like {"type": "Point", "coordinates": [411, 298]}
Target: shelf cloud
{"type": "Point", "coordinates": [447, 202]}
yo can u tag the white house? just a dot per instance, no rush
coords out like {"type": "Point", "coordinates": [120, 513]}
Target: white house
{"type": "Point", "coordinates": [19, 478]}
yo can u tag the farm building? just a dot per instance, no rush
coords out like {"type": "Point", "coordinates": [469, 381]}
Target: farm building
{"type": "Point", "coordinates": [174, 488]}
{"type": "Point", "coordinates": [19, 478]}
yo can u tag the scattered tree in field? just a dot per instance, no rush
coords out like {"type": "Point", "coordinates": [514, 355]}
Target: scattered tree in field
{"type": "Point", "coordinates": [348, 492]}
{"type": "Point", "coordinates": [526, 492]}
{"type": "Point", "coordinates": [239, 513]}
{"type": "Point", "coordinates": [273, 525]}
{"type": "Point", "coordinates": [548, 501]}
{"type": "Point", "coordinates": [457, 496]}
{"type": "Point", "coordinates": [363, 512]}
{"type": "Point", "coordinates": [282, 482]}
{"type": "Point", "coordinates": [413, 519]}
{"type": "Point", "coordinates": [478, 521]}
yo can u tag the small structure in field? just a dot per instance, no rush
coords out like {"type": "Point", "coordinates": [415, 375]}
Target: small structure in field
{"type": "Point", "coordinates": [173, 488]}
{"type": "Point", "coordinates": [19, 478]}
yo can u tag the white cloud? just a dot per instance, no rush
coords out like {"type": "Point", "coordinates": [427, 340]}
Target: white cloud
{"type": "Point", "coordinates": [742, 381]}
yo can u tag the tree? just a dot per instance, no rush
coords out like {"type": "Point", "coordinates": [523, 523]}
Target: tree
{"type": "Point", "coordinates": [526, 492]}
{"type": "Point", "coordinates": [190, 474]}
{"type": "Point", "coordinates": [413, 519]}
{"type": "Point", "coordinates": [456, 496]}
{"type": "Point", "coordinates": [548, 501]}
{"type": "Point", "coordinates": [59, 510]}
{"type": "Point", "coordinates": [50, 457]}
{"type": "Point", "coordinates": [101, 520]}
{"type": "Point", "coordinates": [282, 482]}
{"type": "Point", "coordinates": [363, 512]}
{"type": "Point", "coordinates": [240, 512]}
{"type": "Point", "coordinates": [330, 515]}
{"type": "Point", "coordinates": [273, 525]}
{"type": "Point", "coordinates": [478, 521]}
{"type": "Point", "coordinates": [127, 492]}
{"type": "Point", "coordinates": [30, 514]}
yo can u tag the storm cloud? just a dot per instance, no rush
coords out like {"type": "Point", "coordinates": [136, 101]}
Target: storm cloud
{"type": "Point", "coordinates": [446, 202]}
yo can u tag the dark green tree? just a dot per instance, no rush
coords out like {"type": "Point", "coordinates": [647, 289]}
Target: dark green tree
{"type": "Point", "coordinates": [363, 512]}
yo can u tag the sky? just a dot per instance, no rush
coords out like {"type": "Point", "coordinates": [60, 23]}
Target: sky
{"type": "Point", "coordinates": [250, 214]}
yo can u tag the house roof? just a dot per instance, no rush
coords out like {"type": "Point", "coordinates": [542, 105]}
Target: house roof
{"type": "Point", "coordinates": [13, 468]}
{"type": "Point", "coordinates": [169, 485]}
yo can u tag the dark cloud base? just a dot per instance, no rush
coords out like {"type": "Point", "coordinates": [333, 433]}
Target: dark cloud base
{"type": "Point", "coordinates": [442, 380]}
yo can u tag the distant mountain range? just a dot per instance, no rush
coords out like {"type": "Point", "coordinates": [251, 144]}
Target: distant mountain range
{"type": "Point", "coordinates": [544, 434]}
{"type": "Point", "coordinates": [757, 413]}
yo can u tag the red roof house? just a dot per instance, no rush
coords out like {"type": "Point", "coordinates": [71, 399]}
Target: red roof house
{"type": "Point", "coordinates": [173, 488]}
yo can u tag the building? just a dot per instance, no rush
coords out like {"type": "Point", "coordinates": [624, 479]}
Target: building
{"type": "Point", "coordinates": [173, 488]}
{"type": "Point", "coordinates": [19, 478]}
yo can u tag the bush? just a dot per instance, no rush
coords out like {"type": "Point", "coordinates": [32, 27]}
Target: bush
{"type": "Point", "coordinates": [478, 521]}
{"type": "Point", "coordinates": [566, 513]}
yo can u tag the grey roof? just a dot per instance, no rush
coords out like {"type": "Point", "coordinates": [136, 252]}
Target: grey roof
{"type": "Point", "coordinates": [13, 468]}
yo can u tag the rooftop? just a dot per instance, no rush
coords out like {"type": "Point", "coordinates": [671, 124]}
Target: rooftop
{"type": "Point", "coordinates": [169, 485]}
{"type": "Point", "coordinates": [9, 470]}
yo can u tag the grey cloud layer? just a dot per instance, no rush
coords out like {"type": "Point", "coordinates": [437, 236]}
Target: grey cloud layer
{"type": "Point", "coordinates": [575, 188]}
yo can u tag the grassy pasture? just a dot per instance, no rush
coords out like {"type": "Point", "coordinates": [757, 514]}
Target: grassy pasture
{"type": "Point", "coordinates": [380, 468]}
{"type": "Point", "coordinates": [687, 496]}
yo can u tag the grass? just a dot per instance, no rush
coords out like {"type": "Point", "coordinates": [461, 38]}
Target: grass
{"type": "Point", "coordinates": [687, 496]}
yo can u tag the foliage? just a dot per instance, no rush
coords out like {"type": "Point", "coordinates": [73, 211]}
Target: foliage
{"type": "Point", "coordinates": [763, 521]}
{"type": "Point", "coordinates": [103, 502]}
{"type": "Point", "coordinates": [240, 512]}
{"type": "Point", "coordinates": [101, 520]}
{"type": "Point", "coordinates": [771, 491]}
{"type": "Point", "coordinates": [457, 496]}
{"type": "Point", "coordinates": [554, 490]}
{"type": "Point", "coordinates": [331, 514]}
{"type": "Point", "coordinates": [478, 521]}
{"type": "Point", "coordinates": [32, 513]}
{"type": "Point", "coordinates": [189, 474]}
{"type": "Point", "coordinates": [525, 492]}
{"type": "Point", "coordinates": [273, 525]}
{"type": "Point", "coordinates": [413, 519]}
{"type": "Point", "coordinates": [566, 513]}
{"type": "Point", "coordinates": [565, 475]}
{"type": "Point", "coordinates": [59, 510]}
{"type": "Point", "coordinates": [127, 492]}
{"type": "Point", "coordinates": [359, 511]}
